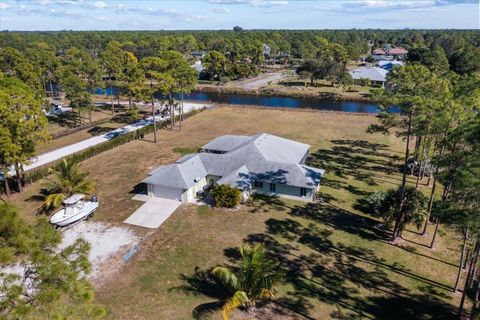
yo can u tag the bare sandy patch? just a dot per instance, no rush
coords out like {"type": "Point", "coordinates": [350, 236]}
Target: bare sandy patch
{"type": "Point", "coordinates": [109, 245]}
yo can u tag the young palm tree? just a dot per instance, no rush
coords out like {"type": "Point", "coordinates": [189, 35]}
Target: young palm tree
{"type": "Point", "coordinates": [255, 279]}
{"type": "Point", "coordinates": [68, 179]}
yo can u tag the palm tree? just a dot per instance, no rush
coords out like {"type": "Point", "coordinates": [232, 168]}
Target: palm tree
{"type": "Point", "coordinates": [68, 180]}
{"type": "Point", "coordinates": [254, 280]}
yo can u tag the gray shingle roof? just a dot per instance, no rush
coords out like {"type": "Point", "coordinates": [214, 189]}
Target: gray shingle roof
{"type": "Point", "coordinates": [270, 147]}
{"type": "Point", "coordinates": [371, 73]}
{"type": "Point", "coordinates": [261, 157]}
{"type": "Point", "coordinates": [226, 143]}
{"type": "Point", "coordinates": [239, 178]}
{"type": "Point", "coordinates": [183, 174]}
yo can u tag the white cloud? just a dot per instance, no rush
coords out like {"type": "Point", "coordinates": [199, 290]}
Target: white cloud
{"type": "Point", "coordinates": [99, 4]}
{"type": "Point", "coordinates": [4, 6]}
{"type": "Point", "coordinates": [229, 1]}
{"type": "Point", "coordinates": [221, 10]}
{"type": "Point", "coordinates": [43, 2]}
{"type": "Point", "coordinates": [101, 18]}
{"type": "Point", "coordinates": [69, 2]}
{"type": "Point", "coordinates": [195, 18]}
{"type": "Point", "coordinates": [252, 3]}
{"type": "Point", "coordinates": [375, 6]}
{"type": "Point", "coordinates": [125, 9]}
{"type": "Point", "coordinates": [269, 3]}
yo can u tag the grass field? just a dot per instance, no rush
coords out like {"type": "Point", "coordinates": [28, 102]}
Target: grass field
{"type": "Point", "coordinates": [337, 260]}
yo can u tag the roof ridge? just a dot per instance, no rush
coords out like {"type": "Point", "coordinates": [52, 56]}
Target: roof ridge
{"type": "Point", "coordinates": [179, 170]}
{"type": "Point", "coordinates": [185, 163]}
{"type": "Point", "coordinates": [244, 144]}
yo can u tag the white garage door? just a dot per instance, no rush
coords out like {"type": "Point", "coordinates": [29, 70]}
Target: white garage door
{"type": "Point", "coordinates": [167, 193]}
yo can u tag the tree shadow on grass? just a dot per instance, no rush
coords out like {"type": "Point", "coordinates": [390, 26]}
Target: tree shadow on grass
{"type": "Point", "coordinates": [340, 219]}
{"type": "Point", "coordinates": [95, 131]}
{"type": "Point", "coordinates": [259, 203]}
{"type": "Point", "coordinates": [40, 199]}
{"type": "Point", "coordinates": [354, 158]}
{"type": "Point", "coordinates": [202, 283]}
{"type": "Point", "coordinates": [353, 278]}
{"type": "Point", "coordinates": [66, 119]}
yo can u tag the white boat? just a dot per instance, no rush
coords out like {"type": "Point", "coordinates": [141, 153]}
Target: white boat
{"type": "Point", "coordinates": [74, 209]}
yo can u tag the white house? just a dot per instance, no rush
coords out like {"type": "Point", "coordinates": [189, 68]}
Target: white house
{"type": "Point", "coordinates": [198, 66]}
{"type": "Point", "coordinates": [374, 74]}
{"type": "Point", "coordinates": [262, 163]}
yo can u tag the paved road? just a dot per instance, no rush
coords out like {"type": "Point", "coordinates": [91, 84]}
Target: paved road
{"type": "Point", "coordinates": [257, 84]}
{"type": "Point", "coordinates": [68, 150]}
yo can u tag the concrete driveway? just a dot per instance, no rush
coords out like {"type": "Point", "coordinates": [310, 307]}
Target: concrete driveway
{"type": "Point", "coordinates": [153, 213]}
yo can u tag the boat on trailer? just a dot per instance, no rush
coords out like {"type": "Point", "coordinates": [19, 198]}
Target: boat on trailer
{"type": "Point", "coordinates": [74, 209]}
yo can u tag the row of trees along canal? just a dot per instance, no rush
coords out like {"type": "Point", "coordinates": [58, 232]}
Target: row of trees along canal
{"type": "Point", "coordinates": [24, 91]}
{"type": "Point", "coordinates": [440, 124]}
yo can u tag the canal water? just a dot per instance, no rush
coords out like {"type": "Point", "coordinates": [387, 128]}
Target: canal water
{"type": "Point", "coordinates": [283, 102]}
{"type": "Point", "coordinates": [274, 101]}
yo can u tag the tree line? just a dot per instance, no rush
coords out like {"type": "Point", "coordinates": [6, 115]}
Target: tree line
{"type": "Point", "coordinates": [26, 83]}
{"type": "Point", "coordinates": [440, 123]}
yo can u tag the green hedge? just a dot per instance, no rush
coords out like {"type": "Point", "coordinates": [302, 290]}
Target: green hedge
{"type": "Point", "coordinates": [41, 172]}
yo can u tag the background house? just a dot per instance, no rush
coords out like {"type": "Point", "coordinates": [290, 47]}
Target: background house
{"type": "Point", "coordinates": [198, 54]}
{"type": "Point", "coordinates": [389, 65]}
{"type": "Point", "coordinates": [376, 76]}
{"type": "Point", "coordinates": [395, 52]}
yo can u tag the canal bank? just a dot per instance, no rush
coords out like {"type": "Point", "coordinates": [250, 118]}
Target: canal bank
{"type": "Point", "coordinates": [296, 92]}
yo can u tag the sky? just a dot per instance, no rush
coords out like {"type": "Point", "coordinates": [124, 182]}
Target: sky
{"type": "Point", "coordinates": [225, 14]}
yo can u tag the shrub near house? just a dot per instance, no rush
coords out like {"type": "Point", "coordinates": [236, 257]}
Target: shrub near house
{"type": "Point", "coordinates": [225, 196]}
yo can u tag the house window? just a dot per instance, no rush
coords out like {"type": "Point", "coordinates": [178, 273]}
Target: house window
{"type": "Point", "coordinates": [303, 192]}
{"type": "Point", "coordinates": [273, 187]}
{"type": "Point", "coordinates": [258, 184]}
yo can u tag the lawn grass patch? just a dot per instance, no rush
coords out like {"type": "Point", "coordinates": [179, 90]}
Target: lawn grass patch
{"type": "Point", "coordinates": [185, 150]}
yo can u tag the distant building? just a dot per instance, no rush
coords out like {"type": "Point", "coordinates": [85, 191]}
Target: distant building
{"type": "Point", "coordinates": [198, 66]}
{"type": "Point", "coordinates": [398, 52]}
{"type": "Point", "coordinates": [395, 52]}
{"type": "Point", "coordinates": [198, 54]}
{"type": "Point", "coordinates": [266, 50]}
{"type": "Point", "coordinates": [377, 76]}
{"type": "Point", "coordinates": [389, 65]}
{"type": "Point", "coordinates": [381, 57]}
{"type": "Point", "coordinates": [378, 52]}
